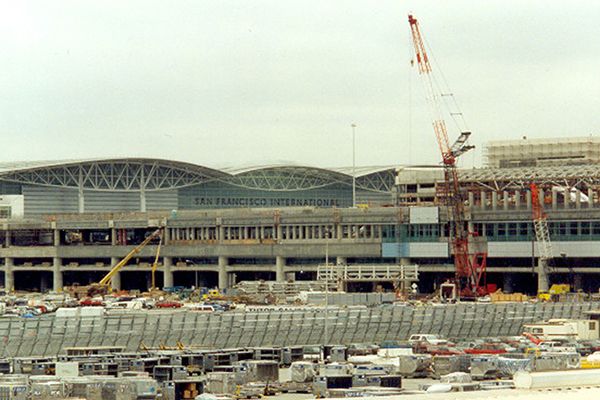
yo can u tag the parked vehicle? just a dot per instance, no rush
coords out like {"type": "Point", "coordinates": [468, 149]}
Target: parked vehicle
{"type": "Point", "coordinates": [488, 348]}
{"type": "Point", "coordinates": [431, 339]}
{"type": "Point", "coordinates": [168, 304]}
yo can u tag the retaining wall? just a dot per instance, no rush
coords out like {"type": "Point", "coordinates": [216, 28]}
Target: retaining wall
{"type": "Point", "coordinates": [51, 335]}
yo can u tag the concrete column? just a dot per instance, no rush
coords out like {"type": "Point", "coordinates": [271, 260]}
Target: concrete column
{"type": "Point", "coordinates": [554, 199]}
{"type": "Point", "coordinates": [223, 272]}
{"type": "Point", "coordinates": [340, 232]}
{"type": "Point", "coordinates": [279, 269]}
{"type": "Point", "coordinates": [8, 241]}
{"type": "Point", "coordinates": [279, 233]}
{"type": "Point", "coordinates": [505, 199]}
{"type": "Point", "coordinates": [115, 281]}
{"type": "Point", "coordinates": [543, 285]}
{"type": "Point", "coordinates": [221, 233]}
{"type": "Point", "coordinates": [517, 200]}
{"type": "Point", "coordinates": [577, 282]}
{"type": "Point", "coordinates": [578, 199]}
{"type": "Point", "coordinates": [528, 200]}
{"type": "Point", "coordinates": [56, 237]}
{"type": "Point", "coordinates": [113, 236]}
{"type": "Point", "coordinates": [494, 200]}
{"type": "Point", "coordinates": [58, 277]}
{"type": "Point", "coordinates": [507, 283]}
{"type": "Point", "coordinates": [166, 235]}
{"type": "Point", "coordinates": [471, 200]}
{"type": "Point", "coordinates": [567, 198]}
{"type": "Point", "coordinates": [590, 194]}
{"type": "Point", "coordinates": [167, 273]}
{"type": "Point", "coordinates": [9, 275]}
{"type": "Point", "coordinates": [483, 199]}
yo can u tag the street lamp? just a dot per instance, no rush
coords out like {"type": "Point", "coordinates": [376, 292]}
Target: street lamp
{"type": "Point", "coordinates": [353, 125]}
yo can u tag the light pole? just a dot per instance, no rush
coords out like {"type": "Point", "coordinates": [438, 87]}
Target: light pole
{"type": "Point", "coordinates": [326, 338]}
{"type": "Point", "coordinates": [353, 125]}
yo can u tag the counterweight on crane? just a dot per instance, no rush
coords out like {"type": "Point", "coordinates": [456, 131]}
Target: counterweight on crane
{"type": "Point", "coordinates": [468, 273]}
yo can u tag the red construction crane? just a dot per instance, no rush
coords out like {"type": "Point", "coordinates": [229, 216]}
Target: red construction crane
{"type": "Point", "coordinates": [542, 234]}
{"type": "Point", "coordinates": [468, 273]}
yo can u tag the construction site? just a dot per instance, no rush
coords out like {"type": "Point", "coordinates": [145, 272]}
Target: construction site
{"type": "Point", "coordinates": [141, 278]}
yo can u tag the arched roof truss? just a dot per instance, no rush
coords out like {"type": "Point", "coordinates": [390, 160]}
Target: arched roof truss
{"type": "Point", "coordinates": [116, 175]}
{"type": "Point", "coordinates": [286, 179]}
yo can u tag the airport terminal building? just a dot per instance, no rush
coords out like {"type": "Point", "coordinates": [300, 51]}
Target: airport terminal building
{"type": "Point", "coordinates": [67, 222]}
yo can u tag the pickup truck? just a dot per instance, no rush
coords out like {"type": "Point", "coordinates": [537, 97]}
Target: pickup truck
{"type": "Point", "coordinates": [556, 347]}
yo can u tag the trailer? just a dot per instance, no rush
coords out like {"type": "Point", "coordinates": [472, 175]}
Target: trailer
{"type": "Point", "coordinates": [577, 329]}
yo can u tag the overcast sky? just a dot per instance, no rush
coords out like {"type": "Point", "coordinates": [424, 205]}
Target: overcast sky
{"type": "Point", "coordinates": [252, 82]}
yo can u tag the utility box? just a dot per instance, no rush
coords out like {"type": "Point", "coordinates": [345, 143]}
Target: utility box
{"type": "Point", "coordinates": [82, 388]}
{"type": "Point", "coordinates": [67, 369]}
{"type": "Point", "coordinates": [221, 383]}
{"type": "Point", "coordinates": [169, 373]}
{"type": "Point", "coordinates": [322, 384]}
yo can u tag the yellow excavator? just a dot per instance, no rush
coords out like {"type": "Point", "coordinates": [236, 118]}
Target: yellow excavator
{"type": "Point", "coordinates": [103, 287]}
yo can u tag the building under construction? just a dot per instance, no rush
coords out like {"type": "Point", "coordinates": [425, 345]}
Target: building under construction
{"type": "Point", "coordinates": [55, 232]}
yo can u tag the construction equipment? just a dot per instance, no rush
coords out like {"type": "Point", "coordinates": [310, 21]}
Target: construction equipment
{"type": "Point", "coordinates": [103, 287]}
{"type": "Point", "coordinates": [468, 273]}
{"type": "Point", "coordinates": [542, 235]}
{"type": "Point", "coordinates": [155, 264]}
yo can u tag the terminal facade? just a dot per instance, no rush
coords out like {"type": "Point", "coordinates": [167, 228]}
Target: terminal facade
{"type": "Point", "coordinates": [65, 223]}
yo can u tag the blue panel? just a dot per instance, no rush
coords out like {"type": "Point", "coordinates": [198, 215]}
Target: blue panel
{"type": "Point", "coordinates": [394, 250]}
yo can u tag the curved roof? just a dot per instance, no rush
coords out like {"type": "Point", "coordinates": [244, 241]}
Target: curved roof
{"type": "Point", "coordinates": [147, 174]}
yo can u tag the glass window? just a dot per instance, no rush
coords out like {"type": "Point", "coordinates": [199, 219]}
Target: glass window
{"type": "Point", "coordinates": [523, 229]}
{"type": "Point", "coordinates": [512, 229]}
{"type": "Point", "coordinates": [585, 228]}
{"type": "Point", "coordinates": [501, 229]}
{"type": "Point", "coordinates": [573, 228]}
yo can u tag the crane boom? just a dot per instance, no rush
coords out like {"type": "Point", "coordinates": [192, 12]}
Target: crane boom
{"type": "Point", "coordinates": [107, 278]}
{"type": "Point", "coordinates": [452, 197]}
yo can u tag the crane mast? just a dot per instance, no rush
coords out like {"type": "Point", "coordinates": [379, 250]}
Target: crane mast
{"type": "Point", "coordinates": [542, 235]}
{"type": "Point", "coordinates": [466, 274]}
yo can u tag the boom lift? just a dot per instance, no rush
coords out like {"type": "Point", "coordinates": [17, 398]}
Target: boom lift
{"type": "Point", "coordinates": [468, 273]}
{"type": "Point", "coordinates": [103, 287]}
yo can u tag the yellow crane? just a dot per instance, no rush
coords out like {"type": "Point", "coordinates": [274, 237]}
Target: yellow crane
{"type": "Point", "coordinates": [103, 286]}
